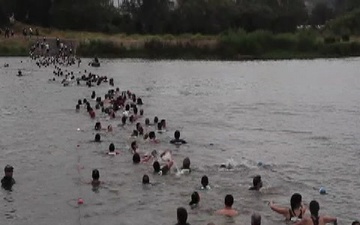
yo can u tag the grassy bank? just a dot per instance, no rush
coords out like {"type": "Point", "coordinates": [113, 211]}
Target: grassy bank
{"type": "Point", "coordinates": [231, 45]}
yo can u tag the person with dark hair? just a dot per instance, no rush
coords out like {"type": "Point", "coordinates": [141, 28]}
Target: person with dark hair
{"type": "Point", "coordinates": [205, 183]}
{"type": "Point", "coordinates": [133, 147]}
{"type": "Point", "coordinates": [146, 179]}
{"type": "Point", "coordinates": [112, 150]}
{"type": "Point", "coordinates": [95, 178]}
{"type": "Point", "coordinates": [255, 219]}
{"type": "Point", "coordinates": [355, 223]}
{"type": "Point", "coordinates": [195, 199]}
{"type": "Point", "coordinates": [182, 216]}
{"type": "Point", "coordinates": [177, 140]}
{"type": "Point", "coordinates": [97, 138]}
{"type": "Point", "coordinates": [257, 183]}
{"type": "Point", "coordinates": [8, 181]}
{"type": "Point", "coordinates": [162, 170]}
{"type": "Point", "coordinates": [315, 219]}
{"type": "Point", "coordinates": [294, 213]}
{"type": "Point", "coordinates": [136, 158]}
{"type": "Point", "coordinates": [97, 126]}
{"type": "Point", "coordinates": [228, 210]}
{"type": "Point", "coordinates": [185, 169]}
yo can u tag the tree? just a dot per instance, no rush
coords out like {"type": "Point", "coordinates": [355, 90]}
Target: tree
{"type": "Point", "coordinates": [321, 13]}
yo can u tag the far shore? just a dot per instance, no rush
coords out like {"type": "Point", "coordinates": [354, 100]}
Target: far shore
{"type": "Point", "coordinates": [260, 45]}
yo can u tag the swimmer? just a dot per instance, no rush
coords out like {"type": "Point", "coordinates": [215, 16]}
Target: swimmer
{"type": "Point", "coordinates": [93, 95]}
{"type": "Point", "coordinates": [255, 219]}
{"type": "Point", "coordinates": [132, 119]}
{"type": "Point", "coordinates": [355, 223]}
{"type": "Point", "coordinates": [164, 169]}
{"type": "Point", "coordinates": [135, 133]}
{"type": "Point", "coordinates": [95, 178]}
{"type": "Point", "coordinates": [133, 147]}
{"type": "Point", "coordinates": [19, 73]}
{"type": "Point", "coordinates": [136, 158]}
{"type": "Point", "coordinates": [205, 183]}
{"type": "Point", "coordinates": [147, 122]}
{"type": "Point", "coordinates": [185, 169]}
{"type": "Point", "coordinates": [182, 216]}
{"type": "Point", "coordinates": [97, 137]}
{"type": "Point", "coordinates": [8, 181]}
{"type": "Point", "coordinates": [109, 128]}
{"type": "Point", "coordinates": [257, 183]}
{"type": "Point", "coordinates": [146, 179]}
{"type": "Point", "coordinates": [112, 150]}
{"type": "Point", "coordinates": [97, 126]}
{"type": "Point", "coordinates": [156, 120]}
{"type": "Point", "coordinates": [315, 219]}
{"type": "Point", "coordinates": [228, 210]}
{"type": "Point", "coordinates": [163, 124]}
{"type": "Point", "coordinates": [294, 213]}
{"type": "Point", "coordinates": [152, 137]}
{"type": "Point", "coordinates": [141, 112]}
{"type": "Point", "coordinates": [123, 120]}
{"type": "Point", "coordinates": [177, 140]}
{"type": "Point", "coordinates": [77, 109]}
{"type": "Point", "coordinates": [195, 199]}
{"type": "Point", "coordinates": [139, 101]}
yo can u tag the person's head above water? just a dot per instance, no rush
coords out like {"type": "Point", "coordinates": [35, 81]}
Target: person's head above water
{"type": "Point", "coordinates": [204, 181]}
{"type": "Point", "coordinates": [195, 198]}
{"type": "Point", "coordinates": [156, 120]}
{"type": "Point", "coordinates": [147, 122]}
{"type": "Point", "coordinates": [355, 223]}
{"type": "Point", "coordinates": [295, 201]}
{"type": "Point", "coordinates": [97, 126]}
{"type": "Point", "coordinates": [133, 146]}
{"type": "Point", "coordinates": [186, 163]}
{"type": "Point", "coordinates": [257, 183]}
{"type": "Point", "coordinates": [97, 138]}
{"type": "Point", "coordinates": [146, 179]}
{"type": "Point", "coordinates": [177, 134]}
{"type": "Point", "coordinates": [95, 174]}
{"type": "Point", "coordinates": [229, 201]}
{"type": "Point", "coordinates": [123, 119]}
{"type": "Point", "coordinates": [156, 166]}
{"type": "Point", "coordinates": [255, 219]}
{"type": "Point", "coordinates": [314, 208]}
{"type": "Point", "coordinates": [152, 135]}
{"type": "Point", "coordinates": [136, 158]}
{"type": "Point", "coordinates": [111, 147]}
{"type": "Point", "coordinates": [8, 171]}
{"type": "Point", "coordinates": [181, 216]}
{"type": "Point", "coordinates": [159, 126]}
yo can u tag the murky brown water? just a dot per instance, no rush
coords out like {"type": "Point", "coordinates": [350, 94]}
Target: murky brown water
{"type": "Point", "coordinates": [299, 118]}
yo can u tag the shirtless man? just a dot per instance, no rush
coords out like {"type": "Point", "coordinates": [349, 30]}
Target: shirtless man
{"type": "Point", "coordinates": [315, 219]}
{"type": "Point", "coordinates": [228, 210]}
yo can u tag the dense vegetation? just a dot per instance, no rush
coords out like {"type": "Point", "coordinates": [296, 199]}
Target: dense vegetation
{"type": "Point", "coordinates": [184, 16]}
{"type": "Point", "coordinates": [221, 29]}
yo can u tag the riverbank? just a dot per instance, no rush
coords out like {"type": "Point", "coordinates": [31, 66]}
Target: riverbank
{"type": "Point", "coordinates": [231, 45]}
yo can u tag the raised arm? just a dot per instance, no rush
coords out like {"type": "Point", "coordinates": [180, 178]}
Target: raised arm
{"type": "Point", "coordinates": [328, 219]}
{"type": "Point", "coordinates": [278, 209]}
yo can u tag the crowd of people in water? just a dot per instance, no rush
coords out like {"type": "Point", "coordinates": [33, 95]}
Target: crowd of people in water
{"type": "Point", "coordinates": [128, 106]}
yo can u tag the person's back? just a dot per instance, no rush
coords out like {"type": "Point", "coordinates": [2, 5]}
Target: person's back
{"type": "Point", "coordinates": [315, 219]}
{"type": "Point", "coordinates": [182, 216]}
{"type": "Point", "coordinates": [228, 210]}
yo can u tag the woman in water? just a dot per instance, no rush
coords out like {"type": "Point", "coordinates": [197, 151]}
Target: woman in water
{"type": "Point", "coordinates": [195, 199]}
{"type": "Point", "coordinates": [315, 219]}
{"type": "Point", "coordinates": [294, 213]}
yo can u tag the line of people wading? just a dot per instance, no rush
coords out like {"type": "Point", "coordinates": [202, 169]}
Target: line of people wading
{"type": "Point", "coordinates": [128, 107]}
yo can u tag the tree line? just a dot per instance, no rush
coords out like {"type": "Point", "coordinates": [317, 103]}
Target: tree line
{"type": "Point", "coordinates": [163, 16]}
